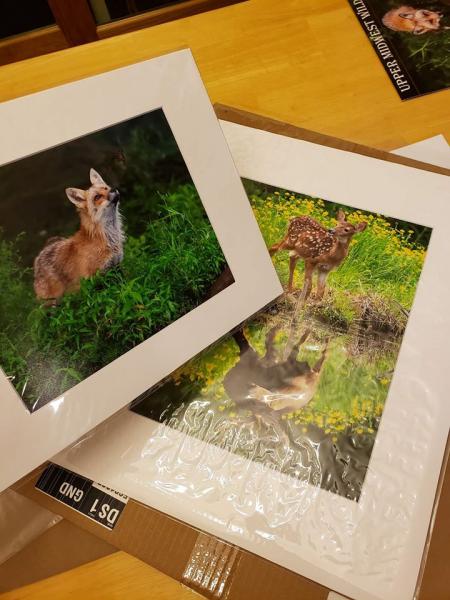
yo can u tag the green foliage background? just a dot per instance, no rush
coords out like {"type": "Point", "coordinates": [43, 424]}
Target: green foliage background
{"type": "Point", "coordinates": [171, 258]}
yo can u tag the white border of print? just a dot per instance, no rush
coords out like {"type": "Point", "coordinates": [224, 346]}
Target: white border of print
{"type": "Point", "coordinates": [34, 123]}
{"type": "Point", "coordinates": [370, 550]}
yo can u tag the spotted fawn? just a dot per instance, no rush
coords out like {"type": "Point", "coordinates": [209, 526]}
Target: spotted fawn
{"type": "Point", "coordinates": [322, 249]}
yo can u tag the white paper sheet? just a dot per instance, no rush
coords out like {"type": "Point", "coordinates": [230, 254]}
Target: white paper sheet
{"type": "Point", "coordinates": [434, 150]}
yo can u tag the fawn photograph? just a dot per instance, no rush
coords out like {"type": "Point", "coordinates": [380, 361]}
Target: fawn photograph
{"type": "Point", "coordinates": [415, 35]}
{"type": "Point", "coordinates": [301, 387]}
{"type": "Point", "coordinates": [104, 241]}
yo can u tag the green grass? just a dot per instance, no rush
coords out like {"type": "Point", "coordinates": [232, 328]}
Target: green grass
{"type": "Point", "coordinates": [166, 272]}
{"type": "Point", "coordinates": [383, 259]}
{"type": "Point", "coordinates": [426, 56]}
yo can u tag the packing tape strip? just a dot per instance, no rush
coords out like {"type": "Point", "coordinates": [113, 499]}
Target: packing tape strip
{"type": "Point", "coordinates": [211, 566]}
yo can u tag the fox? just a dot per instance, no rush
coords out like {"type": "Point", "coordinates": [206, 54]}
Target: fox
{"type": "Point", "coordinates": [96, 246]}
{"type": "Point", "coordinates": [413, 20]}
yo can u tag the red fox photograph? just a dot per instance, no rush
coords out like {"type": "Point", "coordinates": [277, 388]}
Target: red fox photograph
{"type": "Point", "coordinates": [413, 20]}
{"type": "Point", "coordinates": [96, 246]}
{"type": "Point", "coordinates": [104, 241]}
{"type": "Point", "coordinates": [412, 41]}
{"type": "Point", "coordinates": [302, 386]}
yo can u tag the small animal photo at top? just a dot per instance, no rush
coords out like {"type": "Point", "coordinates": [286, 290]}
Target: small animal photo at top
{"type": "Point", "coordinates": [104, 241]}
{"type": "Point", "coordinates": [302, 386]}
{"type": "Point", "coordinates": [411, 19]}
{"type": "Point", "coordinates": [412, 40]}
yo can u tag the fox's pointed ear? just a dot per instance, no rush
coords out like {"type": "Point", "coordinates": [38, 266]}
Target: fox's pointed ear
{"type": "Point", "coordinates": [96, 179]}
{"type": "Point", "coordinates": [341, 215]}
{"type": "Point", "coordinates": [76, 196]}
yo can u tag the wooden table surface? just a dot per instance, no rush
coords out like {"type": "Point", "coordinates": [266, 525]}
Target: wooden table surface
{"type": "Point", "coordinates": [115, 577]}
{"type": "Point", "coordinates": [302, 61]}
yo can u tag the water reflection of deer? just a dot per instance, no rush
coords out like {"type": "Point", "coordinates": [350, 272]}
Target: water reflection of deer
{"type": "Point", "coordinates": [265, 385]}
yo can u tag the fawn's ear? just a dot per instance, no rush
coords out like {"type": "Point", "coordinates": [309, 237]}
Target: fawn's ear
{"type": "Point", "coordinates": [76, 196]}
{"type": "Point", "coordinates": [341, 215]}
{"type": "Point", "coordinates": [96, 179]}
{"type": "Point", "coordinates": [361, 226]}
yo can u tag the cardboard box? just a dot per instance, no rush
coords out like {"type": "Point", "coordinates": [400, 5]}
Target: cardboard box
{"type": "Point", "coordinates": [64, 546]}
{"type": "Point", "coordinates": [216, 568]}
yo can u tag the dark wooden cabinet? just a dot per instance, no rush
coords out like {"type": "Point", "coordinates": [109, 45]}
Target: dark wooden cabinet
{"type": "Point", "coordinates": [33, 28]}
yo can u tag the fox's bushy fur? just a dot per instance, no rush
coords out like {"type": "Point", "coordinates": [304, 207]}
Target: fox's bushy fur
{"type": "Point", "coordinates": [96, 246]}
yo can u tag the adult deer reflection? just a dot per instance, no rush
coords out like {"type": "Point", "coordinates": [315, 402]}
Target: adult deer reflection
{"type": "Point", "coordinates": [262, 383]}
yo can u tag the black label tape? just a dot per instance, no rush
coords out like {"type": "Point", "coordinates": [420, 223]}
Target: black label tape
{"type": "Point", "coordinates": [98, 502]}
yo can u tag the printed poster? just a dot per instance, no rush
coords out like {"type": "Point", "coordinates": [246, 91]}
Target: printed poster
{"type": "Point", "coordinates": [412, 42]}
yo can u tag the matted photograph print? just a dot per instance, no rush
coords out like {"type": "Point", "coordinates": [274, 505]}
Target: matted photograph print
{"type": "Point", "coordinates": [301, 388]}
{"type": "Point", "coordinates": [104, 241]}
{"type": "Point", "coordinates": [117, 217]}
{"type": "Point", "coordinates": [412, 41]}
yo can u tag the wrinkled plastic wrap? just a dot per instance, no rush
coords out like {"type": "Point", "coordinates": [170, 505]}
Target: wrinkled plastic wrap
{"type": "Point", "coordinates": [338, 505]}
{"type": "Point", "coordinates": [255, 487]}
